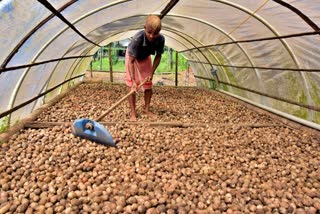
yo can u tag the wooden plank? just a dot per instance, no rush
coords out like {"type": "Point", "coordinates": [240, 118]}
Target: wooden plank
{"type": "Point", "coordinates": [37, 124]}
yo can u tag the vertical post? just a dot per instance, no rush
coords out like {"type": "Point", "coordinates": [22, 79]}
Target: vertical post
{"type": "Point", "coordinates": [176, 68]}
{"type": "Point", "coordinates": [110, 63]}
{"type": "Point", "coordinates": [170, 58]}
{"type": "Point", "coordinates": [91, 75]}
{"type": "Point", "coordinates": [101, 58]}
{"type": "Point", "coordinates": [215, 76]}
{"type": "Point", "coordinates": [187, 74]}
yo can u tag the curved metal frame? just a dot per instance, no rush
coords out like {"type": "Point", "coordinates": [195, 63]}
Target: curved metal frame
{"type": "Point", "coordinates": [212, 26]}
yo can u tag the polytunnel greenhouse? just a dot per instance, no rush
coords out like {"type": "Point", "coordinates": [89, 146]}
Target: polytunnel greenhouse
{"type": "Point", "coordinates": [243, 139]}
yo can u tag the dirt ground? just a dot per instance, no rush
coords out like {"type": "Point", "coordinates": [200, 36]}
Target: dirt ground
{"type": "Point", "coordinates": [185, 78]}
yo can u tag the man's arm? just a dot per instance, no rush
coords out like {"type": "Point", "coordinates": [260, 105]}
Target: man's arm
{"type": "Point", "coordinates": [131, 68]}
{"type": "Point", "coordinates": [132, 60]}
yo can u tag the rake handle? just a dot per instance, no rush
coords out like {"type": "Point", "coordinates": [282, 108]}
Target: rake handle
{"type": "Point", "coordinates": [120, 101]}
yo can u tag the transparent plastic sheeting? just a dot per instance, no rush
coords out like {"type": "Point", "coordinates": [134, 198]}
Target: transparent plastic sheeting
{"type": "Point", "coordinates": [188, 25]}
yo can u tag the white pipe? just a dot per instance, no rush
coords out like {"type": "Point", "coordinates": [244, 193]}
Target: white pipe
{"type": "Point", "coordinates": [288, 116]}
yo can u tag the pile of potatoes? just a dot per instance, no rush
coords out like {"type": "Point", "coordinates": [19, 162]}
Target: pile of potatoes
{"type": "Point", "coordinates": [159, 169]}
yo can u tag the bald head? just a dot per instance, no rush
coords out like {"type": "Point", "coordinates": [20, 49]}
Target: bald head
{"type": "Point", "coordinates": [153, 23]}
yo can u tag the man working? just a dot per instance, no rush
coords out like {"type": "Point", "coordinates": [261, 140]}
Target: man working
{"type": "Point", "coordinates": [139, 65]}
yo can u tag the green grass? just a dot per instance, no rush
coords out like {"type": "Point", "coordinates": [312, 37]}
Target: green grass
{"type": "Point", "coordinates": [118, 64]}
{"type": "Point", "coordinates": [4, 124]}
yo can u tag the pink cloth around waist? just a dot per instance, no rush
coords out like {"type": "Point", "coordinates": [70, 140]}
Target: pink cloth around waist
{"type": "Point", "coordinates": [145, 68]}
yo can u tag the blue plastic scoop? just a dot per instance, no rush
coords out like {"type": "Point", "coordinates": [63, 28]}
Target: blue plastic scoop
{"type": "Point", "coordinates": [92, 130]}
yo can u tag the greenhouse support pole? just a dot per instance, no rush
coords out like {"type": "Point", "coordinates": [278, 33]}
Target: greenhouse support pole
{"type": "Point", "coordinates": [176, 69]}
{"type": "Point", "coordinates": [91, 75]}
{"type": "Point", "coordinates": [170, 58]}
{"type": "Point", "coordinates": [187, 74]}
{"type": "Point", "coordinates": [110, 63]}
{"type": "Point", "coordinates": [101, 58]}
